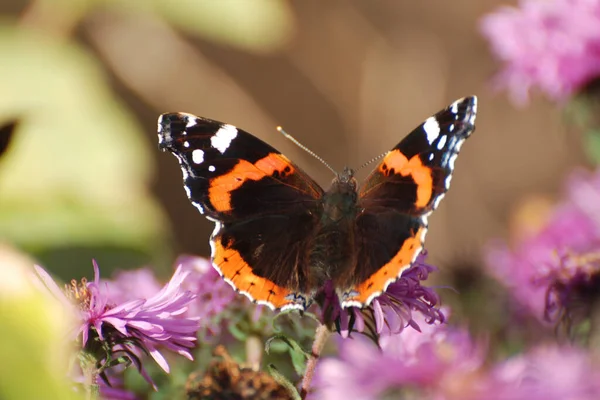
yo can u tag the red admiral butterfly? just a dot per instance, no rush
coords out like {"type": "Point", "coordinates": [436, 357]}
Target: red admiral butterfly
{"type": "Point", "coordinates": [279, 236]}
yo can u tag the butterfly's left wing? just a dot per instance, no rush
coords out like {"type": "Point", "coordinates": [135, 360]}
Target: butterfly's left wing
{"type": "Point", "coordinates": [399, 195]}
{"type": "Point", "coordinates": [265, 208]}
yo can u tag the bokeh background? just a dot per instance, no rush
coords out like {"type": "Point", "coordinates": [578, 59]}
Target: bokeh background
{"type": "Point", "coordinates": [82, 178]}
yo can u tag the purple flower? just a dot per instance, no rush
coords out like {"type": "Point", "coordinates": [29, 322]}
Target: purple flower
{"type": "Point", "coordinates": [392, 311]}
{"type": "Point", "coordinates": [545, 373]}
{"type": "Point", "coordinates": [553, 269]}
{"type": "Point", "coordinates": [132, 326]}
{"type": "Point", "coordinates": [129, 285]}
{"type": "Point", "coordinates": [214, 295]}
{"type": "Point", "coordinates": [115, 393]}
{"type": "Point", "coordinates": [435, 360]}
{"type": "Point", "coordinates": [551, 44]}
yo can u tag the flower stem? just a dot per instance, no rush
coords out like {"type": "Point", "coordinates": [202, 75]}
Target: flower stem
{"type": "Point", "coordinates": [90, 377]}
{"type": "Point", "coordinates": [91, 387]}
{"type": "Point", "coordinates": [320, 339]}
{"type": "Point", "coordinates": [254, 350]}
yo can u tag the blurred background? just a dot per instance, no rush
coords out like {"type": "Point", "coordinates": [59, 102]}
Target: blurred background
{"type": "Point", "coordinates": [81, 176]}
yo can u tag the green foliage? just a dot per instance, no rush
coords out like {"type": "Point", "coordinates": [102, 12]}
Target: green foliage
{"type": "Point", "coordinates": [283, 381]}
{"type": "Point", "coordinates": [582, 111]}
{"type": "Point", "coordinates": [297, 354]}
{"type": "Point", "coordinates": [258, 25]}
{"type": "Point", "coordinates": [77, 169]}
{"type": "Point", "coordinates": [32, 341]}
{"type": "Point", "coordinates": [591, 141]}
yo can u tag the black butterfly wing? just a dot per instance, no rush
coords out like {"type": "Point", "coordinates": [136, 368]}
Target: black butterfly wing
{"type": "Point", "coordinates": [399, 195]}
{"type": "Point", "coordinates": [265, 208]}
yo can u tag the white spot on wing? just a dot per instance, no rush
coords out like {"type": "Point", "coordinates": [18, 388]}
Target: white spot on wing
{"type": "Point", "coordinates": [454, 106]}
{"type": "Point", "coordinates": [432, 129]}
{"type": "Point", "coordinates": [211, 168]}
{"type": "Point", "coordinates": [183, 167]}
{"type": "Point", "coordinates": [223, 137]}
{"type": "Point", "coordinates": [191, 121]}
{"type": "Point", "coordinates": [346, 304]}
{"type": "Point", "coordinates": [291, 306]}
{"type": "Point", "coordinates": [187, 190]}
{"type": "Point", "coordinates": [213, 249]}
{"type": "Point", "coordinates": [161, 134]}
{"type": "Point", "coordinates": [442, 142]}
{"type": "Point", "coordinates": [437, 200]}
{"type": "Point", "coordinates": [198, 206]}
{"type": "Point", "coordinates": [186, 144]}
{"type": "Point", "coordinates": [197, 156]}
{"type": "Point", "coordinates": [451, 161]}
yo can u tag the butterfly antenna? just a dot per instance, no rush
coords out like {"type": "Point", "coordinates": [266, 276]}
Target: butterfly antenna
{"type": "Point", "coordinates": [306, 149]}
{"type": "Point", "coordinates": [379, 157]}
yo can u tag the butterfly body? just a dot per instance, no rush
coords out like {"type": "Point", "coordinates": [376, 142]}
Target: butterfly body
{"type": "Point", "coordinates": [279, 237]}
{"type": "Point", "coordinates": [333, 247]}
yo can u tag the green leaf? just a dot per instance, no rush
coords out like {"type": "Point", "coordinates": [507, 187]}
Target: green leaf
{"type": "Point", "coordinates": [78, 168]}
{"type": "Point", "coordinates": [291, 343]}
{"type": "Point", "coordinates": [283, 381]}
{"type": "Point", "coordinates": [297, 354]}
{"type": "Point", "coordinates": [298, 361]}
{"type": "Point", "coordinates": [237, 331]}
{"type": "Point", "coordinates": [257, 25]}
{"type": "Point", "coordinates": [592, 145]}
{"type": "Point", "coordinates": [35, 354]}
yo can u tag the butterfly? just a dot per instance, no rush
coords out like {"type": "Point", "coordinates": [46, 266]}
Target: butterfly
{"type": "Point", "coordinates": [279, 237]}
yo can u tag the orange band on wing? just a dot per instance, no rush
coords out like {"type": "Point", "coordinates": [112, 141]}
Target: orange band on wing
{"type": "Point", "coordinates": [233, 267]}
{"type": "Point", "coordinates": [414, 167]}
{"type": "Point", "coordinates": [221, 187]}
{"type": "Point", "coordinates": [376, 283]}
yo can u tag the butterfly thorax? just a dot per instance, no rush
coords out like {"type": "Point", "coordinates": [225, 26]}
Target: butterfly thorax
{"type": "Point", "coordinates": [334, 240]}
{"type": "Point", "coordinates": [339, 202]}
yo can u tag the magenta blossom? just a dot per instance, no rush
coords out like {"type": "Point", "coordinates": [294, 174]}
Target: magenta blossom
{"type": "Point", "coordinates": [140, 283]}
{"type": "Point", "coordinates": [392, 311]}
{"type": "Point", "coordinates": [545, 373]}
{"type": "Point", "coordinates": [141, 324]}
{"type": "Point", "coordinates": [550, 44]}
{"type": "Point", "coordinates": [214, 295]}
{"type": "Point", "coordinates": [439, 359]}
{"type": "Point", "coordinates": [551, 271]}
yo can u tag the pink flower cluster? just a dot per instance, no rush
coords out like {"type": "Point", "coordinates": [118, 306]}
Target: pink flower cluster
{"type": "Point", "coordinates": [544, 271]}
{"type": "Point", "coordinates": [445, 363]}
{"type": "Point", "coordinates": [142, 324]}
{"type": "Point", "coordinates": [550, 44]}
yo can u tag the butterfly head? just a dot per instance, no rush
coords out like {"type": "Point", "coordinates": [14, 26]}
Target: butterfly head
{"type": "Point", "coordinates": [339, 202]}
{"type": "Point", "coordinates": [344, 184]}
{"type": "Point", "coordinates": [346, 178]}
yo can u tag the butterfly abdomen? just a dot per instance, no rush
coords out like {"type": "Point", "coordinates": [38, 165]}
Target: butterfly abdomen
{"type": "Point", "coordinates": [332, 250]}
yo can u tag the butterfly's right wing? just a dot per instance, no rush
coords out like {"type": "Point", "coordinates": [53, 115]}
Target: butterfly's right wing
{"type": "Point", "coordinates": [399, 195]}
